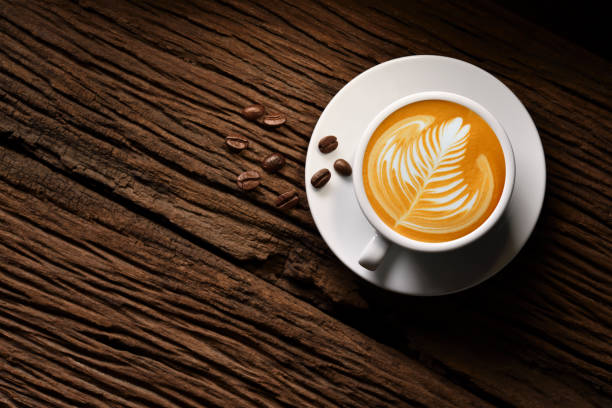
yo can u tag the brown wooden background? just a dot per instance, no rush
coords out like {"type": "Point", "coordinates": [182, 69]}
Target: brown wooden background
{"type": "Point", "coordinates": [134, 273]}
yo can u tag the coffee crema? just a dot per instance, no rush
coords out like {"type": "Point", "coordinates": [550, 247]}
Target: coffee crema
{"type": "Point", "coordinates": [434, 171]}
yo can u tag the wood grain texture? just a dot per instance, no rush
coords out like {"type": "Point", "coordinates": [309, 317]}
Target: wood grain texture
{"type": "Point", "coordinates": [134, 273]}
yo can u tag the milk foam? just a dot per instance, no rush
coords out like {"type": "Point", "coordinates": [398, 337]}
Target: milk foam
{"type": "Point", "coordinates": [418, 172]}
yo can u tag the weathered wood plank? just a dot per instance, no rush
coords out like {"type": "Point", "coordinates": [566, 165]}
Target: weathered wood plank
{"type": "Point", "coordinates": [129, 102]}
{"type": "Point", "coordinates": [102, 305]}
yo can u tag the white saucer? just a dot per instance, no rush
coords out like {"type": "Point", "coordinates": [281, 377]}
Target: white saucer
{"type": "Point", "coordinates": [336, 212]}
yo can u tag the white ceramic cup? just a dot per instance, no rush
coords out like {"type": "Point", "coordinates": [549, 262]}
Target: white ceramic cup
{"type": "Point", "coordinates": [374, 252]}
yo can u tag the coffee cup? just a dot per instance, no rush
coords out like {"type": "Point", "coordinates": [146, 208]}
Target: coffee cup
{"type": "Point", "coordinates": [433, 172]}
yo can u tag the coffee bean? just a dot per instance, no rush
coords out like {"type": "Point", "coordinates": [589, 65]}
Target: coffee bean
{"type": "Point", "coordinates": [273, 163]}
{"type": "Point", "coordinates": [237, 143]}
{"type": "Point", "coordinates": [253, 112]}
{"type": "Point", "coordinates": [328, 144]}
{"type": "Point", "coordinates": [274, 120]}
{"type": "Point", "coordinates": [287, 200]}
{"type": "Point", "coordinates": [320, 178]}
{"type": "Point", "coordinates": [248, 180]}
{"type": "Point", "coordinates": [342, 167]}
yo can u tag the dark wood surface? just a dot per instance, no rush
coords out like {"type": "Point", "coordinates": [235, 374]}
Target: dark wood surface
{"type": "Point", "coordinates": [134, 273]}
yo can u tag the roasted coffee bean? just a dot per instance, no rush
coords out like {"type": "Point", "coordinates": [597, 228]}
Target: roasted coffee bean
{"type": "Point", "coordinates": [236, 143]}
{"type": "Point", "coordinates": [253, 112]}
{"type": "Point", "coordinates": [248, 180]}
{"type": "Point", "coordinates": [273, 163]}
{"type": "Point", "coordinates": [287, 200]}
{"type": "Point", "coordinates": [342, 167]}
{"type": "Point", "coordinates": [328, 144]}
{"type": "Point", "coordinates": [274, 120]}
{"type": "Point", "coordinates": [320, 178]}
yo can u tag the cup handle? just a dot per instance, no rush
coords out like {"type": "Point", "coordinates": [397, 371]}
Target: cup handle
{"type": "Point", "coordinates": [373, 254]}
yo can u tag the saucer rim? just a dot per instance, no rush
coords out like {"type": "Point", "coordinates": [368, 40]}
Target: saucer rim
{"type": "Point", "coordinates": [529, 121]}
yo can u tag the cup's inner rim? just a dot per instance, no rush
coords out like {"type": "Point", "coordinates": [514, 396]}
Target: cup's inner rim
{"type": "Point", "coordinates": [502, 138]}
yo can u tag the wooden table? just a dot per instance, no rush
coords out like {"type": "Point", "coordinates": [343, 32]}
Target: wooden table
{"type": "Point", "coordinates": [133, 272]}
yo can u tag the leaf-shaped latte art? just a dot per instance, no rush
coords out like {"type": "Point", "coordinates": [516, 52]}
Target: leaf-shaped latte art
{"type": "Point", "coordinates": [418, 176]}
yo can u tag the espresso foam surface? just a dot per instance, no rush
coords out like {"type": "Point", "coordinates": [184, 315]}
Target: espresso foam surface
{"type": "Point", "coordinates": [434, 171]}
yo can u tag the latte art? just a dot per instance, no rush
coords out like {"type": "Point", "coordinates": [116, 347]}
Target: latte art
{"type": "Point", "coordinates": [434, 171]}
